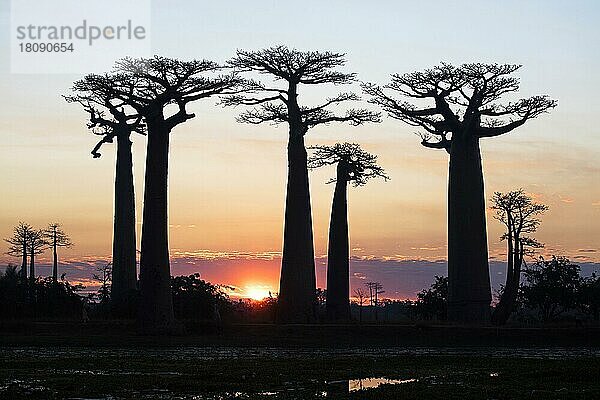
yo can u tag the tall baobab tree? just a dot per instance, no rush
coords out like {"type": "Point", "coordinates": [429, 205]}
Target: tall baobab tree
{"type": "Point", "coordinates": [456, 107]}
{"type": "Point", "coordinates": [112, 118]}
{"type": "Point", "coordinates": [36, 244]}
{"type": "Point", "coordinates": [277, 103]}
{"type": "Point", "coordinates": [519, 213]}
{"type": "Point", "coordinates": [356, 166]}
{"type": "Point", "coordinates": [18, 244]}
{"type": "Point", "coordinates": [56, 237]}
{"type": "Point", "coordinates": [150, 86]}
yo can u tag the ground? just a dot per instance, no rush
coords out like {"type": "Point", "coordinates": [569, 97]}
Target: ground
{"type": "Point", "coordinates": [109, 361]}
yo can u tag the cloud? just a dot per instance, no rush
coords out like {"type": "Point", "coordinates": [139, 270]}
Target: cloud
{"type": "Point", "coordinates": [565, 199]}
{"type": "Point", "coordinates": [429, 248]}
{"type": "Point", "coordinates": [359, 275]}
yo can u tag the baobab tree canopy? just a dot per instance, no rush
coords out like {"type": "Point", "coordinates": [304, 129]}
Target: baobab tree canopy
{"type": "Point", "coordinates": [455, 107]}
{"type": "Point", "coordinates": [110, 117]}
{"type": "Point", "coordinates": [276, 104]}
{"type": "Point", "coordinates": [360, 166]}
{"type": "Point", "coordinates": [462, 101]}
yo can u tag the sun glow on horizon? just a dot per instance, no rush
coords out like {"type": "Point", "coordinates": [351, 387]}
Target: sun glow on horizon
{"type": "Point", "coordinates": [256, 292]}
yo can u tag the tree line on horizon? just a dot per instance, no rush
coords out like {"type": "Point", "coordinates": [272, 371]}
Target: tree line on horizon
{"type": "Point", "coordinates": [552, 293]}
{"type": "Point", "coordinates": [454, 106]}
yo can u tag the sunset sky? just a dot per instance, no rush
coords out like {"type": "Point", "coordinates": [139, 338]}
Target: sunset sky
{"type": "Point", "coordinates": [227, 180]}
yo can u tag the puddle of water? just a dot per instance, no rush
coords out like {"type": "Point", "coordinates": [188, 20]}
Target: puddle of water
{"type": "Point", "coordinates": [372, 383]}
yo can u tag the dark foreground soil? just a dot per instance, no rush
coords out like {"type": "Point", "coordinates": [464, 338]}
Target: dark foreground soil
{"type": "Point", "coordinates": [109, 360]}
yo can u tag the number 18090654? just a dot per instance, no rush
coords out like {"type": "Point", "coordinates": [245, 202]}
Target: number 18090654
{"type": "Point", "coordinates": [36, 47]}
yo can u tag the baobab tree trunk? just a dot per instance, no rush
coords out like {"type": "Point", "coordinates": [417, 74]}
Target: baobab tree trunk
{"type": "Point", "coordinates": [509, 296]}
{"type": "Point", "coordinates": [297, 286]}
{"type": "Point", "coordinates": [338, 262]}
{"type": "Point", "coordinates": [124, 275]}
{"type": "Point", "coordinates": [54, 258]}
{"type": "Point", "coordinates": [156, 305]}
{"type": "Point", "coordinates": [24, 261]}
{"type": "Point", "coordinates": [504, 306]}
{"type": "Point", "coordinates": [469, 293]}
{"type": "Point", "coordinates": [32, 264]}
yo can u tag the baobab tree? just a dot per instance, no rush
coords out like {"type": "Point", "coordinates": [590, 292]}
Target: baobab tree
{"type": "Point", "coordinates": [456, 107]}
{"type": "Point", "coordinates": [150, 86]}
{"type": "Point", "coordinates": [361, 298]}
{"type": "Point", "coordinates": [18, 244]}
{"type": "Point", "coordinates": [375, 289]}
{"type": "Point", "coordinates": [519, 213]}
{"type": "Point", "coordinates": [36, 244]}
{"type": "Point", "coordinates": [356, 166]}
{"type": "Point", "coordinates": [112, 118]}
{"type": "Point", "coordinates": [277, 103]}
{"type": "Point", "coordinates": [56, 237]}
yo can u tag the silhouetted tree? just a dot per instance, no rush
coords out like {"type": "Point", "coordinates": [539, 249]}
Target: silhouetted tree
{"type": "Point", "coordinates": [354, 165]}
{"type": "Point", "coordinates": [14, 293]}
{"type": "Point", "coordinates": [36, 244]}
{"type": "Point", "coordinates": [149, 86]}
{"type": "Point", "coordinates": [104, 275]}
{"type": "Point", "coordinates": [551, 287]}
{"type": "Point", "coordinates": [18, 245]}
{"type": "Point", "coordinates": [361, 297]}
{"type": "Point", "coordinates": [432, 303]}
{"type": "Point", "coordinates": [589, 296]}
{"type": "Point", "coordinates": [112, 118]}
{"type": "Point", "coordinates": [41, 297]}
{"type": "Point", "coordinates": [456, 107]}
{"type": "Point", "coordinates": [519, 214]}
{"type": "Point", "coordinates": [277, 104]}
{"type": "Point", "coordinates": [195, 298]}
{"type": "Point", "coordinates": [56, 237]}
{"type": "Point", "coordinates": [375, 289]}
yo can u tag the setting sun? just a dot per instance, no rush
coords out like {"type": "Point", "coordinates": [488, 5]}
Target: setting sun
{"type": "Point", "coordinates": [256, 292]}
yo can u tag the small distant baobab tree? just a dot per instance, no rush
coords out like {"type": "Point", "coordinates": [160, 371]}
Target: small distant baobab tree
{"type": "Point", "coordinates": [17, 244]}
{"type": "Point", "coordinates": [519, 213]}
{"type": "Point", "coordinates": [456, 107]}
{"type": "Point", "coordinates": [356, 166]}
{"type": "Point", "coordinates": [150, 86]}
{"type": "Point", "coordinates": [112, 118]}
{"type": "Point", "coordinates": [279, 104]}
{"type": "Point", "coordinates": [361, 298]}
{"type": "Point", "coordinates": [36, 244]}
{"type": "Point", "coordinates": [56, 237]}
{"type": "Point", "coordinates": [375, 289]}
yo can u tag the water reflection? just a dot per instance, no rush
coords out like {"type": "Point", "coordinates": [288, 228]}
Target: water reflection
{"type": "Point", "coordinates": [371, 383]}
